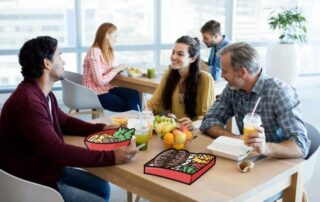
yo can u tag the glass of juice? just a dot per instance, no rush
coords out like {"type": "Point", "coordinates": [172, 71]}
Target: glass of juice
{"type": "Point", "coordinates": [151, 73]}
{"type": "Point", "coordinates": [142, 137]}
{"type": "Point", "coordinates": [250, 124]}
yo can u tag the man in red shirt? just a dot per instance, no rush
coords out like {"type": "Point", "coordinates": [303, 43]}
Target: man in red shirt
{"type": "Point", "coordinates": [32, 125]}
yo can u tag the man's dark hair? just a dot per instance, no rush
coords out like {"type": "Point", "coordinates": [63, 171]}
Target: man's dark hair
{"type": "Point", "coordinates": [212, 27]}
{"type": "Point", "coordinates": [33, 53]}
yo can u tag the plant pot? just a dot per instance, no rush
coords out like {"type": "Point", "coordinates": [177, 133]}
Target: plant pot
{"type": "Point", "coordinates": [284, 61]}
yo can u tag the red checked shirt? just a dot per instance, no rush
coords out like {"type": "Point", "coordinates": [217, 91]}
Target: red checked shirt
{"type": "Point", "coordinates": [97, 73]}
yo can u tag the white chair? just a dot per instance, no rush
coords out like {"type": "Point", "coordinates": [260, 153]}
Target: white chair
{"type": "Point", "coordinates": [14, 189]}
{"type": "Point", "coordinates": [78, 97]}
{"type": "Point", "coordinates": [312, 157]}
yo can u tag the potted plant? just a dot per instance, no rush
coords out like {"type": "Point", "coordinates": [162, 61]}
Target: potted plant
{"type": "Point", "coordinates": [284, 58]}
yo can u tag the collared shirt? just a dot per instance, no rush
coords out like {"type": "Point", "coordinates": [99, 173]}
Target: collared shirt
{"type": "Point", "coordinates": [97, 73]}
{"type": "Point", "coordinates": [214, 58]}
{"type": "Point", "coordinates": [279, 109]}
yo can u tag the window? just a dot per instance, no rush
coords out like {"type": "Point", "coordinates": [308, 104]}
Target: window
{"type": "Point", "coordinates": [147, 28]}
{"type": "Point", "coordinates": [186, 17]}
{"type": "Point", "coordinates": [23, 20]}
{"type": "Point", "coordinates": [134, 20]}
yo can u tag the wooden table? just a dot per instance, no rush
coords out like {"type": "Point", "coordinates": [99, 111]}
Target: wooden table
{"type": "Point", "coordinates": [223, 182]}
{"type": "Point", "coordinates": [146, 85]}
{"type": "Point", "coordinates": [141, 84]}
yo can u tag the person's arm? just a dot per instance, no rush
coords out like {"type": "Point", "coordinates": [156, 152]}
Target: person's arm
{"type": "Point", "coordinates": [288, 112]}
{"type": "Point", "coordinates": [97, 66]}
{"type": "Point", "coordinates": [155, 104]}
{"type": "Point", "coordinates": [35, 125]}
{"type": "Point", "coordinates": [285, 149]}
{"type": "Point", "coordinates": [289, 117]}
{"type": "Point", "coordinates": [217, 130]}
{"type": "Point", "coordinates": [214, 121]}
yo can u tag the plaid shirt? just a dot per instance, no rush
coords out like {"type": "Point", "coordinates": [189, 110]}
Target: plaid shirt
{"type": "Point", "coordinates": [97, 74]}
{"type": "Point", "coordinates": [279, 109]}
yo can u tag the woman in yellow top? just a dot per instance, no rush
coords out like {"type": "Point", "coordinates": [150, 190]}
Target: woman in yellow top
{"type": "Point", "coordinates": [185, 91]}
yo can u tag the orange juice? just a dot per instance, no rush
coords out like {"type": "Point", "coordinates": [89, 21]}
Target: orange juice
{"type": "Point", "coordinates": [247, 131]}
{"type": "Point", "coordinates": [250, 123]}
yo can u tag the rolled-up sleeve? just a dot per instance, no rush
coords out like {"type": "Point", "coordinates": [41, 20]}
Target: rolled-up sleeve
{"type": "Point", "coordinates": [288, 109]}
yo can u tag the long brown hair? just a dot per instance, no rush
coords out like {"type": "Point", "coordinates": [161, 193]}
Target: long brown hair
{"type": "Point", "coordinates": [102, 42]}
{"type": "Point", "coordinates": [191, 82]}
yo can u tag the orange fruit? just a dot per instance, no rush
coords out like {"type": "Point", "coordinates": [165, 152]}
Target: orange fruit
{"type": "Point", "coordinates": [168, 138]}
{"type": "Point", "coordinates": [178, 146]}
{"type": "Point", "coordinates": [188, 134]}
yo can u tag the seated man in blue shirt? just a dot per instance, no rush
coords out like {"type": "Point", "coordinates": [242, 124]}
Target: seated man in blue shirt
{"type": "Point", "coordinates": [211, 36]}
{"type": "Point", "coordinates": [283, 134]}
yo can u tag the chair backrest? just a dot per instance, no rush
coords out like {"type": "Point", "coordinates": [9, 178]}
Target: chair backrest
{"type": "Point", "coordinates": [15, 189]}
{"type": "Point", "coordinates": [74, 77]}
{"type": "Point", "coordinates": [314, 151]}
{"type": "Point", "coordinates": [76, 96]}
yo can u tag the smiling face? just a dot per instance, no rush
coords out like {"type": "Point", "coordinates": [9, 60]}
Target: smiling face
{"type": "Point", "coordinates": [233, 77]}
{"type": "Point", "coordinates": [180, 57]}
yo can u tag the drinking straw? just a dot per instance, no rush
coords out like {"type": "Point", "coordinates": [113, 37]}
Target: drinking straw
{"type": "Point", "coordinates": [140, 114]}
{"type": "Point", "coordinates": [139, 110]}
{"type": "Point", "coordinates": [140, 146]}
{"type": "Point", "coordinates": [145, 102]}
{"type": "Point", "coordinates": [255, 107]}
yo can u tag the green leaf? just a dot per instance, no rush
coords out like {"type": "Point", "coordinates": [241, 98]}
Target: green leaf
{"type": "Point", "coordinates": [290, 23]}
{"type": "Point", "coordinates": [123, 134]}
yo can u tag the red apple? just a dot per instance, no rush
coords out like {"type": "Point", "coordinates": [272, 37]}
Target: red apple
{"type": "Point", "coordinates": [180, 137]}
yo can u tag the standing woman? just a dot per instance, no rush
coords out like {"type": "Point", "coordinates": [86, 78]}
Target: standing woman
{"type": "Point", "coordinates": [185, 91]}
{"type": "Point", "coordinates": [98, 71]}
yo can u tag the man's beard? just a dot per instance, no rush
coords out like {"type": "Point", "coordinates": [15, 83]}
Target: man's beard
{"type": "Point", "coordinates": [238, 84]}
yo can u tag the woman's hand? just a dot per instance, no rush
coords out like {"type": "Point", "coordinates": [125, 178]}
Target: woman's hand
{"type": "Point", "coordinates": [120, 68]}
{"type": "Point", "coordinates": [186, 121]}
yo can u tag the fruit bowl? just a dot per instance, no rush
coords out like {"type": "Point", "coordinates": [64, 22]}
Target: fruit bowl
{"type": "Point", "coordinates": [172, 135]}
{"type": "Point", "coordinates": [163, 125]}
{"type": "Point", "coordinates": [109, 139]}
{"type": "Point", "coordinates": [178, 138]}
